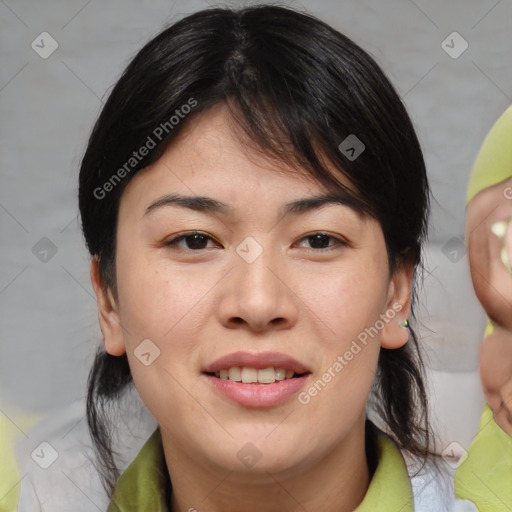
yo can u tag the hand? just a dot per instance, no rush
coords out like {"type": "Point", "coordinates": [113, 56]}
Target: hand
{"type": "Point", "coordinates": [492, 282]}
{"type": "Point", "coordinates": [496, 375]}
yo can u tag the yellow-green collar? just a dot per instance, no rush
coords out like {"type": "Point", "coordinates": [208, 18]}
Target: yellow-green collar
{"type": "Point", "coordinates": [390, 487]}
{"type": "Point", "coordinates": [141, 487]}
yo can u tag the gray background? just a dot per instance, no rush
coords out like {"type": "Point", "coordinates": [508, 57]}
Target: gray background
{"type": "Point", "coordinates": [49, 327]}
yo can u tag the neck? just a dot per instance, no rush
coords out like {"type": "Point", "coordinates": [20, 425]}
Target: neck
{"type": "Point", "coordinates": [335, 481]}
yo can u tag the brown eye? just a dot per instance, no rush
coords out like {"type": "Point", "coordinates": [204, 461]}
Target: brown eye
{"type": "Point", "coordinates": [321, 241]}
{"type": "Point", "coordinates": [191, 241]}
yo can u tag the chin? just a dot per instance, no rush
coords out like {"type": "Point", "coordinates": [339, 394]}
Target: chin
{"type": "Point", "coordinates": [248, 455]}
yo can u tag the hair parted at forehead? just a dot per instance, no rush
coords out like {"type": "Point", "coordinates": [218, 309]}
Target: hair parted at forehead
{"type": "Point", "coordinates": [296, 86]}
{"type": "Point", "coordinates": [300, 92]}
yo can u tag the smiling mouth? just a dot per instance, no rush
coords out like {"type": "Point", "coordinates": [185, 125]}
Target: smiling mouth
{"type": "Point", "coordinates": [255, 387]}
{"type": "Point", "coordinates": [247, 375]}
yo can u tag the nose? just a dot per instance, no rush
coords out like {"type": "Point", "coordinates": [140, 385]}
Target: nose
{"type": "Point", "coordinates": [256, 296]}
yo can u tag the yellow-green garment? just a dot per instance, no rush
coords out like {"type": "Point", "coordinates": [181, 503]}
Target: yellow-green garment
{"type": "Point", "coordinates": [9, 490]}
{"type": "Point", "coordinates": [494, 161]}
{"type": "Point", "coordinates": [486, 477]}
{"type": "Point", "coordinates": [141, 487]}
{"type": "Point", "coordinates": [10, 433]}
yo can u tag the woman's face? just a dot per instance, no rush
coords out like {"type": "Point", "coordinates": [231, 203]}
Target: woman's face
{"type": "Point", "coordinates": [263, 278]}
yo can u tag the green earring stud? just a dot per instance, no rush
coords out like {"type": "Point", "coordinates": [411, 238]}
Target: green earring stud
{"type": "Point", "coordinates": [404, 324]}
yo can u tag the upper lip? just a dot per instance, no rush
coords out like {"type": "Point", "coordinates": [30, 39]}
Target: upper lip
{"type": "Point", "coordinates": [258, 361]}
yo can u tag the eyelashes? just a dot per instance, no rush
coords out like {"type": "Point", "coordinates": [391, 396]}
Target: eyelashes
{"type": "Point", "coordinates": [320, 238]}
{"type": "Point", "coordinates": [196, 241]}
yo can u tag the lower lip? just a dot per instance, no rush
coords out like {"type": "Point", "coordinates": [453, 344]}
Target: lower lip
{"type": "Point", "coordinates": [258, 395]}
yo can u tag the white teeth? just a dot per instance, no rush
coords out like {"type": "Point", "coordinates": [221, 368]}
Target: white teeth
{"type": "Point", "coordinates": [235, 374]}
{"type": "Point", "coordinates": [249, 375]}
{"type": "Point", "coordinates": [266, 376]}
{"type": "Point", "coordinates": [280, 373]}
{"type": "Point", "coordinates": [252, 375]}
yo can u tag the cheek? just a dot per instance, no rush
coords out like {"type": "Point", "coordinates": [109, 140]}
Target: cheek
{"type": "Point", "coordinates": [157, 300]}
{"type": "Point", "coordinates": [348, 299]}
{"type": "Point", "coordinates": [167, 308]}
{"type": "Point", "coordinates": [346, 305]}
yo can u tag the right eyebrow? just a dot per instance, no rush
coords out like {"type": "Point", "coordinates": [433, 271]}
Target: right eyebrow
{"type": "Point", "coordinates": [197, 203]}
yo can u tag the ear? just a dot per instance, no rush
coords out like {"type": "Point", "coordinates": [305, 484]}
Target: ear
{"type": "Point", "coordinates": [399, 302]}
{"type": "Point", "coordinates": [108, 313]}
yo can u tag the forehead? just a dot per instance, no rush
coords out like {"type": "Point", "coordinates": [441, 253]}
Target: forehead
{"type": "Point", "coordinates": [210, 158]}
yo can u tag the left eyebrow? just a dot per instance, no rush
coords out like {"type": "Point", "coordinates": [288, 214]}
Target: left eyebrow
{"type": "Point", "coordinates": [297, 207]}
